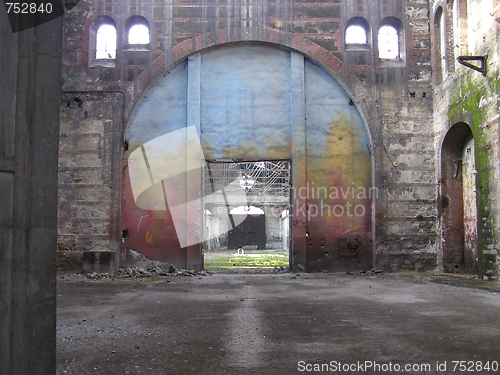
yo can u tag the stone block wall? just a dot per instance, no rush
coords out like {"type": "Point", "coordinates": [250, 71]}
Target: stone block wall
{"type": "Point", "coordinates": [89, 171]}
{"type": "Point", "coordinates": [395, 99]}
{"type": "Point", "coordinates": [467, 97]}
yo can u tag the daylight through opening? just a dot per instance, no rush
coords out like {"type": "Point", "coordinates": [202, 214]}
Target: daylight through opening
{"type": "Point", "coordinates": [355, 34]}
{"type": "Point", "coordinates": [388, 42]}
{"type": "Point", "coordinates": [246, 214]}
{"type": "Point", "coordinates": [106, 42]}
{"type": "Point", "coordinates": [138, 34]}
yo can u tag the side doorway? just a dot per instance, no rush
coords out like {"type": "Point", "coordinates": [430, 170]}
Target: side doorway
{"type": "Point", "coordinates": [459, 201]}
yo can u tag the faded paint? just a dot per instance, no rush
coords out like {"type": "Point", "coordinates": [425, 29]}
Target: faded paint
{"type": "Point", "coordinates": [338, 167]}
{"type": "Point", "coordinates": [245, 113]}
{"type": "Point", "coordinates": [245, 103]}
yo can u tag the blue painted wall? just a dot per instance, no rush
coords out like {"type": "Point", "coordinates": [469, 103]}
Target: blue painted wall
{"type": "Point", "coordinates": [241, 97]}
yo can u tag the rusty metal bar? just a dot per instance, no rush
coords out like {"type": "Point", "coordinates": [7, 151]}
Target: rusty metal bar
{"type": "Point", "coordinates": [464, 60]}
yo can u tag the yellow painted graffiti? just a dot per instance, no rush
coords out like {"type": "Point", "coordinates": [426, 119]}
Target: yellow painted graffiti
{"type": "Point", "coordinates": [154, 236]}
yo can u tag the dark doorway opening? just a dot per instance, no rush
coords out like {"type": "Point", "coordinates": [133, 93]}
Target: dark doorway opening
{"type": "Point", "coordinates": [459, 200]}
{"type": "Point", "coordinates": [251, 232]}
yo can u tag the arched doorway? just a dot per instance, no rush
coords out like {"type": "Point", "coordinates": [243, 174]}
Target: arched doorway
{"type": "Point", "coordinates": [458, 200]}
{"type": "Point", "coordinates": [249, 104]}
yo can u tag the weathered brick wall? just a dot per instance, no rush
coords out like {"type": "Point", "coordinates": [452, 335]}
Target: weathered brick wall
{"type": "Point", "coordinates": [395, 99]}
{"type": "Point", "coordinates": [404, 157]}
{"type": "Point", "coordinates": [89, 171]}
{"type": "Point", "coordinates": [469, 97]}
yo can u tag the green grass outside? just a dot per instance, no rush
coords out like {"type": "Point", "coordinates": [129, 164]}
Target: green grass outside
{"type": "Point", "coordinates": [250, 259]}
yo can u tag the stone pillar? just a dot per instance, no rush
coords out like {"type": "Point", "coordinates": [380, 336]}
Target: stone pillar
{"type": "Point", "coordinates": [273, 227]}
{"type": "Point", "coordinates": [30, 90]}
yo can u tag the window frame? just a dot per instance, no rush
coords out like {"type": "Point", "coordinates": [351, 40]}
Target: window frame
{"type": "Point", "coordinates": [97, 42]}
{"type": "Point", "coordinates": [456, 29]}
{"type": "Point", "coordinates": [358, 22]}
{"type": "Point", "coordinates": [92, 50]}
{"type": "Point", "coordinates": [400, 59]}
{"type": "Point", "coordinates": [129, 24]}
{"type": "Point", "coordinates": [440, 39]}
{"type": "Point", "coordinates": [389, 49]}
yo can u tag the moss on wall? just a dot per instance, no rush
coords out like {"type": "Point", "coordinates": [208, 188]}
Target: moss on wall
{"type": "Point", "coordinates": [473, 101]}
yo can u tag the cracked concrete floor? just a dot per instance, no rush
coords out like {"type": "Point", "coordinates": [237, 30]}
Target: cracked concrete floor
{"type": "Point", "coordinates": [237, 323]}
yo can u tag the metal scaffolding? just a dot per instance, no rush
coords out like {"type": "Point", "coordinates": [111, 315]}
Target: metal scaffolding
{"type": "Point", "coordinates": [263, 178]}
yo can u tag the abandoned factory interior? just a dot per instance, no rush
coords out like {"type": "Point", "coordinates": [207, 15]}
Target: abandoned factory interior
{"type": "Point", "coordinates": [349, 134]}
{"type": "Point", "coordinates": [322, 162]}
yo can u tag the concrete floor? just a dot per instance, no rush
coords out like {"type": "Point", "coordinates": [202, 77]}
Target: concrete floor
{"type": "Point", "coordinates": [266, 324]}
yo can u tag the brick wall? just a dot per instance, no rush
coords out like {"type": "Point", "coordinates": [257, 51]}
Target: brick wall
{"type": "Point", "coordinates": [89, 171]}
{"type": "Point", "coordinates": [395, 99]}
{"type": "Point", "coordinates": [468, 97]}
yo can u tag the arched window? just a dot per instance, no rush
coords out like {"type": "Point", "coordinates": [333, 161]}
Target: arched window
{"type": "Point", "coordinates": [440, 51]}
{"type": "Point", "coordinates": [388, 42]}
{"type": "Point", "coordinates": [357, 33]}
{"type": "Point", "coordinates": [442, 42]}
{"type": "Point", "coordinates": [456, 30]}
{"type": "Point", "coordinates": [246, 210]}
{"type": "Point", "coordinates": [105, 45]}
{"type": "Point", "coordinates": [138, 34]}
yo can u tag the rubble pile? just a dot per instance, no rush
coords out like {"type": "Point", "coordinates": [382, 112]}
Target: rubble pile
{"type": "Point", "coordinates": [159, 270]}
{"type": "Point", "coordinates": [154, 270]}
{"type": "Point", "coordinates": [370, 272]}
{"type": "Point", "coordinates": [281, 269]}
